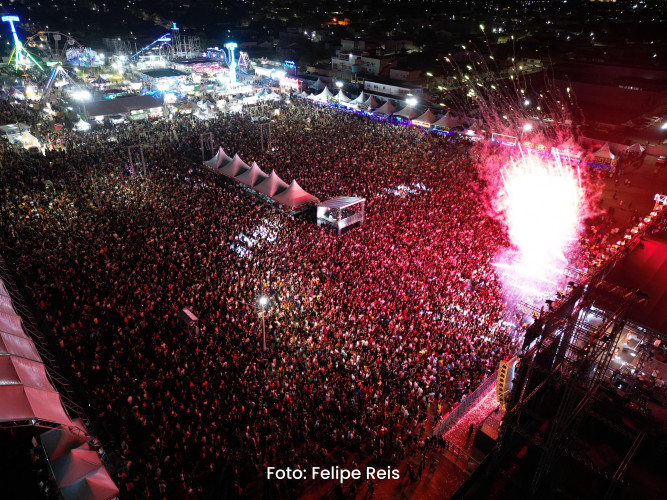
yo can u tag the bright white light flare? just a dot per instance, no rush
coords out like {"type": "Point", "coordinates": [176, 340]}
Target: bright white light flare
{"type": "Point", "coordinates": [542, 201]}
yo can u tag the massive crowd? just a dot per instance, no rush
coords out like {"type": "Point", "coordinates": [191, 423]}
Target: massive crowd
{"type": "Point", "coordinates": [369, 334]}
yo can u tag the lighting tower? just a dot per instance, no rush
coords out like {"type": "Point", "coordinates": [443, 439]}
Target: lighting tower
{"type": "Point", "coordinates": [230, 46]}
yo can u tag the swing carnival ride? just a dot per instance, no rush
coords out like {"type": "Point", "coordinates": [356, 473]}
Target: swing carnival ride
{"type": "Point", "coordinates": [20, 56]}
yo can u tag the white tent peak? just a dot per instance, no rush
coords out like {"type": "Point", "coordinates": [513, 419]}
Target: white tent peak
{"type": "Point", "coordinates": [251, 177]}
{"type": "Point", "coordinates": [605, 152]}
{"type": "Point", "coordinates": [234, 167]}
{"type": "Point", "coordinates": [294, 196]}
{"type": "Point", "coordinates": [272, 185]}
{"type": "Point", "coordinates": [361, 98]}
{"type": "Point", "coordinates": [341, 97]}
{"type": "Point", "coordinates": [427, 117]}
{"type": "Point", "coordinates": [386, 109]}
{"type": "Point", "coordinates": [372, 103]}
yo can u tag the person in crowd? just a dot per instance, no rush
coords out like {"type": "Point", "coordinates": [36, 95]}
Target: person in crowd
{"type": "Point", "coordinates": [365, 332]}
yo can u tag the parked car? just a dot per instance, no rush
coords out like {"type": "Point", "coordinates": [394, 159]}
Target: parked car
{"type": "Point", "coordinates": [661, 161]}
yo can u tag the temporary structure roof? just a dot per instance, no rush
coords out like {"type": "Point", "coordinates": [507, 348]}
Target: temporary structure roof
{"type": "Point", "coordinates": [427, 117]}
{"type": "Point", "coordinates": [636, 148]}
{"type": "Point", "coordinates": [77, 467]}
{"type": "Point", "coordinates": [360, 98]}
{"type": "Point", "coordinates": [271, 185]}
{"type": "Point", "coordinates": [251, 177]}
{"type": "Point", "coordinates": [97, 485]}
{"type": "Point", "coordinates": [386, 109]}
{"type": "Point", "coordinates": [26, 391]}
{"type": "Point", "coordinates": [18, 346]}
{"type": "Point", "coordinates": [235, 167]}
{"type": "Point", "coordinates": [569, 145]}
{"type": "Point", "coordinates": [59, 442]}
{"type": "Point", "coordinates": [318, 85]}
{"type": "Point", "coordinates": [371, 103]}
{"type": "Point", "coordinates": [408, 112]}
{"type": "Point", "coordinates": [294, 196]}
{"type": "Point", "coordinates": [448, 121]}
{"type": "Point", "coordinates": [11, 323]}
{"type": "Point", "coordinates": [82, 125]}
{"type": "Point", "coordinates": [324, 95]}
{"type": "Point", "coordinates": [15, 370]}
{"type": "Point", "coordinates": [121, 105]}
{"type": "Point", "coordinates": [645, 269]}
{"type": "Point", "coordinates": [605, 152]}
{"type": "Point", "coordinates": [220, 159]}
{"type": "Point", "coordinates": [341, 97]}
{"type": "Point", "coordinates": [29, 403]}
{"type": "Point", "coordinates": [341, 202]}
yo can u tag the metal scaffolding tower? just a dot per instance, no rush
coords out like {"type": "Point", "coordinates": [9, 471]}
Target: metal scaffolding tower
{"type": "Point", "coordinates": [265, 135]}
{"type": "Point", "coordinates": [136, 158]}
{"type": "Point", "coordinates": [564, 370]}
{"type": "Point", "coordinates": [207, 145]}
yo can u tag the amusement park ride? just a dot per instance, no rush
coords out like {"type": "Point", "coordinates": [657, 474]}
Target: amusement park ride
{"type": "Point", "coordinates": [19, 55]}
{"type": "Point", "coordinates": [47, 54]}
{"type": "Point", "coordinates": [175, 46]}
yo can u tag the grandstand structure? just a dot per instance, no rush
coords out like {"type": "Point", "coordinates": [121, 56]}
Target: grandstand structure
{"type": "Point", "coordinates": [584, 404]}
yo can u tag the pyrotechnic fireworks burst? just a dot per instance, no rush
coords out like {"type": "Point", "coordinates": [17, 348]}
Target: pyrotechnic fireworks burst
{"type": "Point", "coordinates": [540, 198]}
{"type": "Point", "coordinates": [543, 203]}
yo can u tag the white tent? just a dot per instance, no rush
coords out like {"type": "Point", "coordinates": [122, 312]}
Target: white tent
{"type": "Point", "coordinates": [235, 167]}
{"type": "Point", "coordinates": [408, 112]}
{"type": "Point", "coordinates": [447, 122]}
{"type": "Point", "coordinates": [604, 153]}
{"type": "Point", "coordinates": [271, 186]}
{"type": "Point", "coordinates": [82, 125]}
{"type": "Point", "coordinates": [569, 145]}
{"type": "Point", "coordinates": [371, 103]}
{"type": "Point", "coordinates": [635, 148]}
{"type": "Point", "coordinates": [220, 159]}
{"type": "Point", "coordinates": [426, 119]}
{"type": "Point", "coordinates": [318, 85]}
{"type": "Point", "coordinates": [294, 196]}
{"type": "Point", "coordinates": [360, 98]}
{"type": "Point", "coordinates": [341, 97]}
{"type": "Point", "coordinates": [386, 109]}
{"type": "Point", "coordinates": [28, 140]}
{"type": "Point", "coordinates": [324, 95]}
{"type": "Point", "coordinates": [251, 177]}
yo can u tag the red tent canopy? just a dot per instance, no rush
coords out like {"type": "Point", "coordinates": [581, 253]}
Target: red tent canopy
{"type": "Point", "coordinates": [77, 467]}
{"type": "Point", "coordinates": [26, 392]}
{"type": "Point", "coordinates": [95, 486]}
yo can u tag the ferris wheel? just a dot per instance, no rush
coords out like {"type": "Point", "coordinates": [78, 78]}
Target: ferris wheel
{"type": "Point", "coordinates": [52, 45]}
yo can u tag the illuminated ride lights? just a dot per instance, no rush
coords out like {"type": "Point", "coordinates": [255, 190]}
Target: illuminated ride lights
{"type": "Point", "coordinates": [19, 54]}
